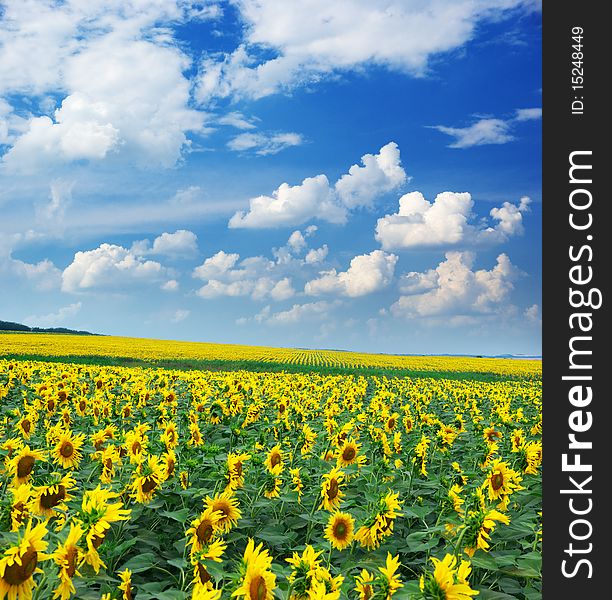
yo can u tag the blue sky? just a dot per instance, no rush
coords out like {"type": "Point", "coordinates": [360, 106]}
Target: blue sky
{"type": "Point", "coordinates": [364, 176]}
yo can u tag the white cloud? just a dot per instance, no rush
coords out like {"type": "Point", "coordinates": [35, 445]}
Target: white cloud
{"type": "Point", "coordinates": [186, 196]}
{"type": "Point", "coordinates": [488, 130]}
{"type": "Point", "coordinates": [316, 255]}
{"type": "Point", "coordinates": [54, 319]}
{"type": "Point", "coordinates": [109, 267]}
{"type": "Point", "coordinates": [366, 274]}
{"type": "Point", "coordinates": [533, 315]}
{"type": "Point", "coordinates": [315, 198]}
{"type": "Point", "coordinates": [265, 144]}
{"type": "Point", "coordinates": [180, 243]}
{"type": "Point", "coordinates": [216, 265]}
{"type": "Point", "coordinates": [52, 214]}
{"type": "Point", "coordinates": [315, 39]}
{"type": "Point", "coordinates": [119, 74]}
{"type": "Point", "coordinates": [172, 285]}
{"type": "Point", "coordinates": [237, 120]}
{"type": "Point", "coordinates": [298, 313]}
{"type": "Point", "coordinates": [483, 131]}
{"type": "Point", "coordinates": [180, 315]}
{"type": "Point", "coordinates": [256, 277]}
{"type": "Point", "coordinates": [453, 289]}
{"type": "Point", "coordinates": [446, 221]}
{"type": "Point", "coordinates": [292, 205]}
{"type": "Point", "coordinates": [380, 173]}
{"type": "Point", "coordinates": [528, 114]}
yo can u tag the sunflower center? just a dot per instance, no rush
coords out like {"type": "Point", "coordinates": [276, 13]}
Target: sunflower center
{"type": "Point", "coordinates": [204, 532]}
{"type": "Point", "coordinates": [170, 467]}
{"type": "Point", "coordinates": [25, 466]}
{"type": "Point", "coordinates": [26, 425]}
{"type": "Point", "coordinates": [16, 574]}
{"type": "Point", "coordinates": [367, 591]}
{"type": "Point", "coordinates": [70, 559]}
{"type": "Point", "coordinates": [340, 530]}
{"type": "Point", "coordinates": [258, 589]}
{"type": "Point", "coordinates": [96, 540]}
{"type": "Point", "coordinates": [238, 468]}
{"type": "Point", "coordinates": [332, 490]}
{"type": "Point", "coordinates": [149, 484]}
{"type": "Point", "coordinates": [136, 447]}
{"type": "Point", "coordinates": [108, 464]}
{"type": "Point", "coordinates": [82, 405]}
{"type": "Point", "coordinates": [349, 454]}
{"type": "Point", "coordinates": [203, 574]}
{"type": "Point", "coordinates": [275, 459]}
{"type": "Point", "coordinates": [497, 481]}
{"type": "Point", "coordinates": [18, 512]}
{"type": "Point", "coordinates": [391, 423]}
{"type": "Point", "coordinates": [67, 450]}
{"type": "Point", "coordinates": [49, 500]}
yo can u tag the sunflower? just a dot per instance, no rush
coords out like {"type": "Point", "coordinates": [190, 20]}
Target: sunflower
{"type": "Point", "coordinates": [257, 581]}
{"type": "Point", "coordinates": [227, 505]}
{"type": "Point", "coordinates": [168, 462]}
{"type": "Point", "coordinates": [272, 486]}
{"type": "Point", "coordinates": [447, 582]}
{"type": "Point", "coordinates": [18, 564]}
{"type": "Point", "coordinates": [339, 530]}
{"type": "Point", "coordinates": [274, 460]}
{"type": "Point", "coordinates": [19, 505]}
{"type": "Point", "coordinates": [331, 491]}
{"type": "Point", "coordinates": [205, 594]}
{"type": "Point", "coordinates": [501, 480]}
{"type": "Point", "coordinates": [202, 579]}
{"type": "Point", "coordinates": [391, 422]}
{"type": "Point", "coordinates": [479, 525]}
{"type": "Point", "coordinates": [170, 435]}
{"type": "Point", "coordinates": [126, 584]}
{"type": "Point", "coordinates": [22, 464]}
{"type": "Point", "coordinates": [67, 557]}
{"type": "Point", "coordinates": [47, 499]}
{"type": "Point", "coordinates": [11, 445]}
{"type": "Point", "coordinates": [348, 453]}
{"type": "Point", "coordinates": [296, 480]}
{"type": "Point", "coordinates": [67, 451]}
{"type": "Point", "coordinates": [135, 443]}
{"type": "Point", "coordinates": [203, 529]}
{"type": "Point", "coordinates": [26, 426]}
{"type": "Point", "coordinates": [147, 479]}
{"type": "Point", "coordinates": [518, 439]}
{"type": "Point", "coordinates": [304, 569]}
{"type": "Point", "coordinates": [390, 581]}
{"type": "Point", "coordinates": [109, 457]}
{"type": "Point", "coordinates": [196, 435]}
{"type": "Point", "coordinates": [235, 469]}
{"type": "Point", "coordinates": [364, 585]}
{"type": "Point", "coordinates": [95, 517]}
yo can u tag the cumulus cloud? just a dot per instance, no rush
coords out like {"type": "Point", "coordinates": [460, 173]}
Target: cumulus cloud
{"type": "Point", "coordinates": [366, 274]}
{"type": "Point", "coordinates": [110, 267]}
{"type": "Point", "coordinates": [316, 255]}
{"type": "Point", "coordinates": [315, 39]}
{"type": "Point", "coordinates": [315, 198]}
{"type": "Point", "coordinates": [42, 275]}
{"type": "Point", "coordinates": [255, 276]}
{"type": "Point", "coordinates": [265, 144]}
{"type": "Point", "coordinates": [453, 289]}
{"type": "Point", "coordinates": [488, 130]}
{"type": "Point", "coordinates": [448, 220]}
{"type": "Point", "coordinates": [180, 243]}
{"type": "Point", "coordinates": [99, 71]}
{"type": "Point", "coordinates": [292, 205]}
{"type": "Point", "coordinates": [55, 319]}
{"type": "Point", "coordinates": [380, 173]}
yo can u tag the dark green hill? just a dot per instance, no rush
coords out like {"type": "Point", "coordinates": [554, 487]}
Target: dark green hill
{"type": "Point", "coordinates": [19, 327]}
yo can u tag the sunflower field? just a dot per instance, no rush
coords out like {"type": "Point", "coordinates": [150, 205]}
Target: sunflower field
{"type": "Point", "coordinates": [167, 484]}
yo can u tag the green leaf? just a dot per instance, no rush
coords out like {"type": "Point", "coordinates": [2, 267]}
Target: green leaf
{"type": "Point", "coordinates": [180, 515]}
